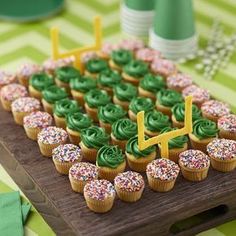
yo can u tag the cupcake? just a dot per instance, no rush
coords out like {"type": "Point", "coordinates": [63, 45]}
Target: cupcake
{"type": "Point", "coordinates": [123, 94]}
{"type": "Point", "coordinates": [11, 92]}
{"type": "Point", "coordinates": [87, 56]}
{"type": "Point", "coordinates": [227, 126]}
{"type": "Point", "coordinates": [94, 66]}
{"type": "Point", "coordinates": [6, 78]}
{"type": "Point", "coordinates": [139, 104]}
{"type": "Point", "coordinates": [92, 139]}
{"type": "Point", "coordinates": [80, 174]}
{"type": "Point", "coordinates": [108, 114]}
{"type": "Point", "coordinates": [75, 123]}
{"type": "Point", "coordinates": [134, 71]}
{"type": "Point", "coordinates": [122, 130]}
{"type": "Point", "coordinates": [166, 99]}
{"type": "Point", "coordinates": [39, 82]}
{"type": "Point", "coordinates": [223, 154]}
{"type": "Point", "coordinates": [107, 79]}
{"type": "Point", "coordinates": [150, 85]}
{"type": "Point", "coordinates": [213, 110]}
{"type": "Point", "coordinates": [194, 165]}
{"type": "Point", "coordinates": [22, 107]}
{"type": "Point", "coordinates": [106, 51]}
{"type": "Point", "coordinates": [200, 95]}
{"type": "Point", "coordinates": [147, 54]}
{"type": "Point", "coordinates": [178, 114]}
{"type": "Point", "coordinates": [50, 138]}
{"type": "Point", "coordinates": [178, 81]}
{"type": "Point", "coordinates": [175, 145]}
{"type": "Point", "coordinates": [80, 86]}
{"type": "Point", "coordinates": [154, 122]}
{"type": "Point", "coordinates": [131, 44]}
{"type": "Point", "coordinates": [51, 95]}
{"type": "Point", "coordinates": [162, 174]}
{"type": "Point", "coordinates": [120, 58]}
{"type": "Point", "coordinates": [64, 74]}
{"type": "Point", "coordinates": [93, 100]}
{"type": "Point", "coordinates": [110, 162]}
{"type": "Point", "coordinates": [138, 159]}
{"type": "Point", "coordinates": [129, 186]}
{"type": "Point", "coordinates": [64, 156]}
{"type": "Point", "coordinates": [163, 67]}
{"type": "Point", "coordinates": [35, 122]}
{"type": "Point", "coordinates": [99, 195]}
{"type": "Point", "coordinates": [204, 131]}
{"type": "Point", "coordinates": [26, 71]}
{"type": "Point", "coordinates": [62, 108]}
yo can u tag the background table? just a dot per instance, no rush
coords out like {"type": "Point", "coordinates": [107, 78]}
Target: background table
{"type": "Point", "coordinates": [30, 42]}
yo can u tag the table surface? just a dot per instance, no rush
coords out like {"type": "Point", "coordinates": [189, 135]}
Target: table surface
{"type": "Point", "coordinates": [17, 45]}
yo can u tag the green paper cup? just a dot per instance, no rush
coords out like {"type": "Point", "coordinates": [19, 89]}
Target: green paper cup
{"type": "Point", "coordinates": [140, 5]}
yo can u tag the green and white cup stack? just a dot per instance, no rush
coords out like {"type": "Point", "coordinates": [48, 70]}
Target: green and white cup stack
{"type": "Point", "coordinates": [137, 17]}
{"type": "Point", "coordinates": [173, 32]}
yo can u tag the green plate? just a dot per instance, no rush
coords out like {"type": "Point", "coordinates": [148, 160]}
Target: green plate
{"type": "Point", "coordinates": [29, 10]}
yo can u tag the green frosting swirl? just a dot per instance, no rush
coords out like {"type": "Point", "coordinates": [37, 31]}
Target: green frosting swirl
{"type": "Point", "coordinates": [124, 129]}
{"type": "Point", "coordinates": [141, 104]}
{"type": "Point", "coordinates": [109, 78]}
{"type": "Point", "coordinates": [168, 97]}
{"type": "Point", "coordinates": [110, 156]}
{"type": "Point", "coordinates": [121, 57]}
{"type": "Point", "coordinates": [65, 106]}
{"type": "Point", "coordinates": [152, 83]}
{"type": "Point", "coordinates": [96, 98]}
{"type": "Point", "coordinates": [41, 81]}
{"type": "Point", "coordinates": [132, 148]}
{"type": "Point", "coordinates": [177, 142]}
{"type": "Point", "coordinates": [125, 91]}
{"type": "Point", "coordinates": [204, 128]}
{"type": "Point", "coordinates": [83, 84]}
{"type": "Point", "coordinates": [94, 137]}
{"type": "Point", "coordinates": [156, 121]}
{"type": "Point", "coordinates": [178, 111]}
{"type": "Point", "coordinates": [136, 68]}
{"type": "Point", "coordinates": [54, 93]}
{"type": "Point", "coordinates": [111, 113]}
{"type": "Point", "coordinates": [78, 121]}
{"type": "Point", "coordinates": [66, 73]}
{"type": "Point", "coordinates": [96, 65]}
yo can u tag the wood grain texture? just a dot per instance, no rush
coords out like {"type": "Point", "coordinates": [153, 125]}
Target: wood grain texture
{"type": "Point", "coordinates": [66, 211]}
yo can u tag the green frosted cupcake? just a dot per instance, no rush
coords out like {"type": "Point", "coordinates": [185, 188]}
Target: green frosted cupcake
{"type": "Point", "coordinates": [75, 123]}
{"type": "Point", "coordinates": [108, 114]}
{"type": "Point", "coordinates": [93, 100]}
{"type": "Point", "coordinates": [139, 159]}
{"type": "Point", "coordinates": [80, 86]}
{"type": "Point", "coordinates": [134, 71]}
{"type": "Point", "coordinates": [150, 85]}
{"type": "Point", "coordinates": [92, 139]}
{"type": "Point", "coordinates": [107, 79]}
{"type": "Point", "coordinates": [166, 99]}
{"type": "Point", "coordinates": [39, 82]}
{"type": "Point", "coordinates": [123, 94]}
{"type": "Point", "coordinates": [154, 122]}
{"type": "Point", "coordinates": [110, 162]}
{"type": "Point", "coordinates": [122, 131]}
{"type": "Point", "coordinates": [94, 66]}
{"type": "Point", "coordinates": [62, 108]}
{"type": "Point", "coordinates": [139, 104]}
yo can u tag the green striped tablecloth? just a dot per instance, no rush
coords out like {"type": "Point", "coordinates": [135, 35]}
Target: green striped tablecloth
{"type": "Point", "coordinates": [30, 42]}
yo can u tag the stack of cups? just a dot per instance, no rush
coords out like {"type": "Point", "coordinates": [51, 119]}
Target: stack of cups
{"type": "Point", "coordinates": [173, 32]}
{"type": "Point", "coordinates": [137, 17]}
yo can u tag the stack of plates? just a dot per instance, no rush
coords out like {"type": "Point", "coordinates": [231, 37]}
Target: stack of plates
{"type": "Point", "coordinates": [136, 23]}
{"type": "Point", "coordinates": [173, 49]}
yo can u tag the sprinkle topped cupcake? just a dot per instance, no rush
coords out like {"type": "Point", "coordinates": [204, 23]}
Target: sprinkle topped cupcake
{"type": "Point", "coordinates": [147, 54]}
{"type": "Point", "coordinates": [163, 67]}
{"type": "Point", "coordinates": [106, 50]}
{"type": "Point", "coordinates": [131, 44]}
{"type": "Point", "coordinates": [86, 56]}
{"type": "Point", "coordinates": [227, 126]}
{"type": "Point", "coordinates": [179, 81]}
{"type": "Point", "coordinates": [214, 109]}
{"type": "Point", "coordinates": [94, 66]}
{"type": "Point", "coordinates": [119, 58]}
{"type": "Point", "coordinates": [200, 95]}
{"type": "Point", "coordinates": [6, 78]}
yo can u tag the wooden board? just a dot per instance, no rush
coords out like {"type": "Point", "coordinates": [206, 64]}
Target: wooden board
{"type": "Point", "coordinates": [66, 211]}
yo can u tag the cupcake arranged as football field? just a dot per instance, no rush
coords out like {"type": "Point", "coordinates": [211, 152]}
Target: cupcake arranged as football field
{"type": "Point", "coordinates": [178, 81]}
{"type": "Point", "coordinates": [6, 78]}
{"type": "Point", "coordinates": [227, 126]}
{"type": "Point", "coordinates": [94, 66]}
{"type": "Point", "coordinates": [147, 54]}
{"type": "Point", "coordinates": [163, 67]}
